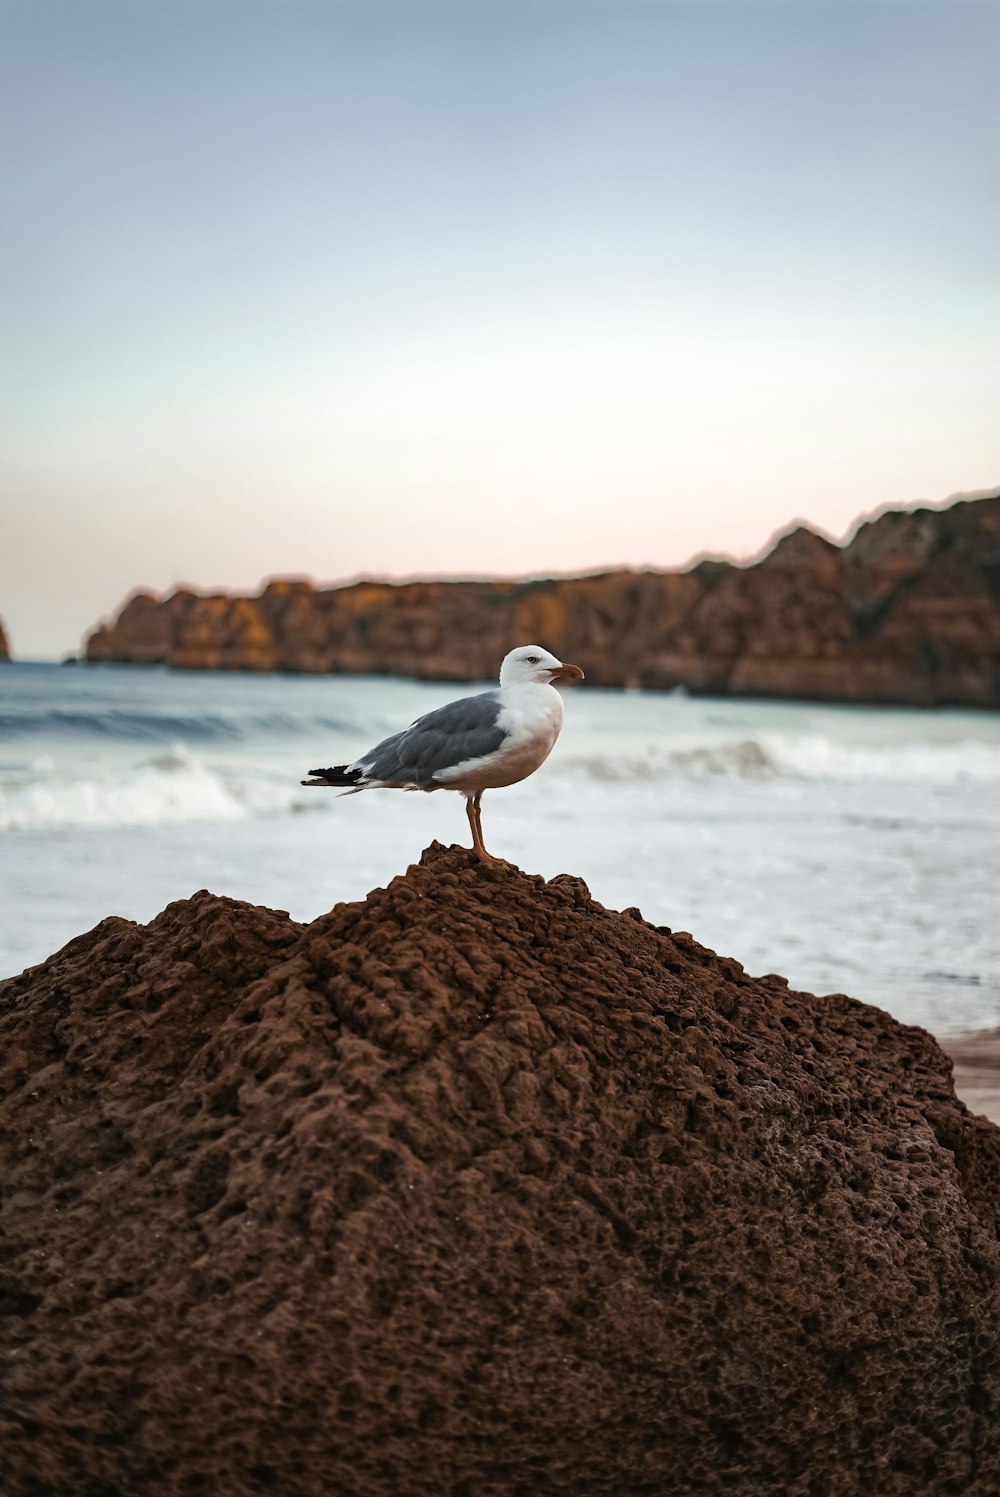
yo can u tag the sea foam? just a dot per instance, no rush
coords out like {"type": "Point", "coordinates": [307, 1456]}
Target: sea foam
{"type": "Point", "coordinates": [174, 787]}
{"type": "Point", "coordinates": [799, 757]}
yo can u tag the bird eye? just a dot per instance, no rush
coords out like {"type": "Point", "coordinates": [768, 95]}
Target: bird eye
{"type": "Point", "coordinates": [531, 659]}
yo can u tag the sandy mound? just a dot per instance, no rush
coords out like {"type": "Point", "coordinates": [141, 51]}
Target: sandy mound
{"type": "Point", "coordinates": [478, 1188]}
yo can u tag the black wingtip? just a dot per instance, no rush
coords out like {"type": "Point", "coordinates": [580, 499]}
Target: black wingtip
{"type": "Point", "coordinates": [338, 774]}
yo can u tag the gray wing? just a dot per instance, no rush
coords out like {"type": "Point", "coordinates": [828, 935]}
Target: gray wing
{"type": "Point", "coordinates": [466, 729]}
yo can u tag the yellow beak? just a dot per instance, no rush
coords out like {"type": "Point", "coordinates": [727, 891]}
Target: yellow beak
{"type": "Point", "coordinates": [568, 673]}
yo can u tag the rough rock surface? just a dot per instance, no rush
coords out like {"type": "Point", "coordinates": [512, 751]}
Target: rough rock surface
{"type": "Point", "coordinates": [908, 611]}
{"type": "Point", "coordinates": [477, 1188]}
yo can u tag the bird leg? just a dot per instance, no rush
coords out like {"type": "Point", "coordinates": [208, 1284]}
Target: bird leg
{"type": "Point", "coordinates": [472, 811]}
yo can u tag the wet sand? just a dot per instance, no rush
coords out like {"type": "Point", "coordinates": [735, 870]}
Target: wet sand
{"type": "Point", "coordinates": [976, 1058]}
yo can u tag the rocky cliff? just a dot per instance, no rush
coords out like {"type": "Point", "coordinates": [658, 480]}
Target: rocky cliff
{"type": "Point", "coordinates": [907, 611]}
{"type": "Point", "coordinates": [476, 1187]}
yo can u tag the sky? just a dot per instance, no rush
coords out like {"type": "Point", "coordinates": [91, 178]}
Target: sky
{"type": "Point", "coordinates": [345, 287]}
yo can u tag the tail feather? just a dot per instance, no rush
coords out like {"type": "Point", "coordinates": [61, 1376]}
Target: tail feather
{"type": "Point", "coordinates": [340, 774]}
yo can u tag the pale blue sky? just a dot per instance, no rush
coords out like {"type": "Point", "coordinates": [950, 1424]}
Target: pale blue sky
{"type": "Point", "coordinates": [409, 288]}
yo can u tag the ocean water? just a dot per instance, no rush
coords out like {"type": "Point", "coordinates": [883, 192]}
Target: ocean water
{"type": "Point", "coordinates": [853, 850]}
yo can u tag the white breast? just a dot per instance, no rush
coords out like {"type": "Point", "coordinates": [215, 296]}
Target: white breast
{"type": "Point", "coordinates": [531, 715]}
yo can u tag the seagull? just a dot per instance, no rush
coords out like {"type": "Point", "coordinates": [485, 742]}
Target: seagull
{"type": "Point", "coordinates": [475, 744]}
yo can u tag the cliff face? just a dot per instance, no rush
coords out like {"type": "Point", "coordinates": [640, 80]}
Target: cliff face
{"type": "Point", "coordinates": [908, 611]}
{"type": "Point", "coordinates": [477, 1187]}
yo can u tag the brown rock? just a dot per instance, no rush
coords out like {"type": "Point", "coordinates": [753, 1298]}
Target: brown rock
{"type": "Point", "coordinates": [140, 635]}
{"type": "Point", "coordinates": [478, 1188]}
{"type": "Point", "coordinates": [907, 611]}
{"type": "Point", "coordinates": [4, 646]}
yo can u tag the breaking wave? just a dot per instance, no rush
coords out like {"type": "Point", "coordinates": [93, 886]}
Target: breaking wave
{"type": "Point", "coordinates": [800, 757]}
{"type": "Point", "coordinates": [172, 788]}
{"type": "Point", "coordinates": [180, 786]}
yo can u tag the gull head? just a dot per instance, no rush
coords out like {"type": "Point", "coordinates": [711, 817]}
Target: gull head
{"type": "Point", "coordinates": [530, 663]}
